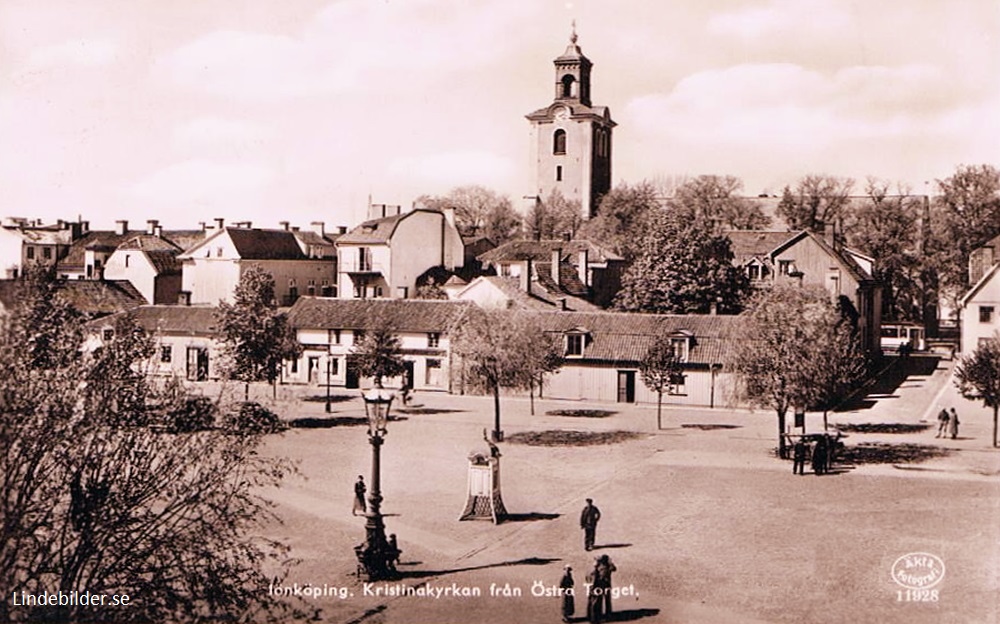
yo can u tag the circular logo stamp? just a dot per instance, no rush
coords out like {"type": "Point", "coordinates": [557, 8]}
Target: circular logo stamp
{"type": "Point", "coordinates": [918, 570]}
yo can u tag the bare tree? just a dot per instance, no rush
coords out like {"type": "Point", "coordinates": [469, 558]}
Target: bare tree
{"type": "Point", "coordinates": [479, 211]}
{"type": "Point", "coordinates": [816, 201]}
{"type": "Point", "coordinates": [717, 201]}
{"type": "Point", "coordinates": [660, 369]}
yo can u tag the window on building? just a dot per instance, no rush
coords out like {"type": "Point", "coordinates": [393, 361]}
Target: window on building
{"type": "Point", "coordinates": [567, 85]}
{"type": "Point", "coordinates": [108, 334]}
{"type": "Point", "coordinates": [559, 142]}
{"type": "Point", "coordinates": [985, 314]}
{"type": "Point", "coordinates": [333, 336]}
{"type": "Point", "coordinates": [30, 253]}
{"type": "Point", "coordinates": [293, 366]}
{"type": "Point", "coordinates": [218, 252]}
{"type": "Point", "coordinates": [786, 267]}
{"type": "Point", "coordinates": [166, 354]}
{"type": "Point", "coordinates": [126, 260]}
{"type": "Point", "coordinates": [293, 293]}
{"type": "Point", "coordinates": [574, 345]}
{"type": "Point", "coordinates": [558, 173]}
{"type": "Point", "coordinates": [433, 376]}
{"type": "Point", "coordinates": [753, 272]}
{"type": "Point", "coordinates": [334, 366]}
{"type": "Point", "coordinates": [434, 340]}
{"type": "Point", "coordinates": [680, 347]}
{"type": "Point", "coordinates": [677, 384]}
{"type": "Point", "coordinates": [47, 253]}
{"type": "Point", "coordinates": [359, 335]}
{"type": "Point", "coordinates": [364, 259]}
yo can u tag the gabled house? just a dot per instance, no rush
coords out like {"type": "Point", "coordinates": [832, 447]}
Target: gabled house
{"type": "Point", "coordinates": [602, 353]}
{"type": "Point", "coordinates": [384, 256]}
{"type": "Point", "coordinates": [186, 339]}
{"type": "Point", "coordinates": [981, 310]}
{"type": "Point", "coordinates": [809, 259]}
{"type": "Point", "coordinates": [574, 268]}
{"type": "Point", "coordinates": [329, 328]}
{"type": "Point", "coordinates": [150, 263]}
{"type": "Point", "coordinates": [213, 267]}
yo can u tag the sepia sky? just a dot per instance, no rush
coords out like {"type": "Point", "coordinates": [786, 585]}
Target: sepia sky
{"type": "Point", "coordinates": [275, 110]}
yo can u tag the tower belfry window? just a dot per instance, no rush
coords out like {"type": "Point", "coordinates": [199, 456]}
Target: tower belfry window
{"type": "Point", "coordinates": [559, 142]}
{"type": "Point", "coordinates": [567, 85]}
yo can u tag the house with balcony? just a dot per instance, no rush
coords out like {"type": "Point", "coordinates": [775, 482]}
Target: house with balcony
{"type": "Point", "coordinates": [384, 256]}
{"type": "Point", "coordinates": [212, 268]}
{"type": "Point", "coordinates": [809, 259]}
{"type": "Point", "coordinates": [329, 328]}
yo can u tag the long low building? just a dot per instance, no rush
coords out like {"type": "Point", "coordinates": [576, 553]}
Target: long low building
{"type": "Point", "coordinates": [603, 350]}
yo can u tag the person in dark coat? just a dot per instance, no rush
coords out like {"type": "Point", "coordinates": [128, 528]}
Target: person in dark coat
{"type": "Point", "coordinates": [942, 423]}
{"type": "Point", "coordinates": [604, 569]}
{"type": "Point", "coordinates": [953, 424]}
{"type": "Point", "coordinates": [595, 603]}
{"type": "Point", "coordinates": [568, 603]}
{"type": "Point", "coordinates": [359, 496]}
{"type": "Point", "coordinates": [799, 456]}
{"type": "Point", "coordinates": [589, 518]}
{"type": "Point", "coordinates": [819, 456]}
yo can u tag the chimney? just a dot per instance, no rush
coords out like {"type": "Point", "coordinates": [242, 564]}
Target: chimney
{"type": "Point", "coordinates": [582, 266]}
{"type": "Point", "coordinates": [219, 221]}
{"type": "Point", "coordinates": [526, 276]}
{"type": "Point", "coordinates": [203, 225]}
{"type": "Point", "coordinates": [713, 308]}
{"type": "Point", "coordinates": [121, 227]}
{"type": "Point", "coordinates": [284, 225]}
{"type": "Point", "coordinates": [561, 304]}
{"type": "Point", "coordinates": [61, 224]}
{"type": "Point", "coordinates": [158, 231]}
{"type": "Point", "coordinates": [151, 226]}
{"type": "Point", "coordinates": [319, 227]}
{"type": "Point", "coordinates": [449, 215]}
{"type": "Point", "coordinates": [554, 271]}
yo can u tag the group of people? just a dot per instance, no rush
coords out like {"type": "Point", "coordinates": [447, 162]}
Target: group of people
{"type": "Point", "coordinates": [821, 453]}
{"type": "Point", "coordinates": [947, 424]}
{"type": "Point", "coordinates": [598, 578]}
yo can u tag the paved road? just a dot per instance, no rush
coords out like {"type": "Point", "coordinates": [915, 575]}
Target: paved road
{"type": "Point", "coordinates": [704, 523]}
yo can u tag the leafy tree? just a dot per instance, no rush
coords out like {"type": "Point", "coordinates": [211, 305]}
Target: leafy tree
{"type": "Point", "coordinates": [430, 290]}
{"type": "Point", "coordinates": [501, 349]}
{"type": "Point", "coordinates": [978, 376]}
{"type": "Point", "coordinates": [622, 218]}
{"type": "Point", "coordinates": [716, 200]}
{"type": "Point", "coordinates": [48, 324]}
{"type": "Point", "coordinates": [89, 505]}
{"type": "Point", "coordinates": [256, 339]}
{"type": "Point", "coordinates": [886, 227]}
{"type": "Point", "coordinates": [683, 268]}
{"type": "Point", "coordinates": [965, 216]}
{"type": "Point", "coordinates": [815, 201]}
{"type": "Point", "coordinates": [479, 211]}
{"type": "Point", "coordinates": [660, 369]}
{"type": "Point", "coordinates": [543, 354]}
{"type": "Point", "coordinates": [379, 353]}
{"type": "Point", "coordinates": [795, 350]}
{"type": "Point", "coordinates": [553, 217]}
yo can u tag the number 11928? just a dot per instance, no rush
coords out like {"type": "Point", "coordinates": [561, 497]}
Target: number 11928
{"type": "Point", "coordinates": [917, 595]}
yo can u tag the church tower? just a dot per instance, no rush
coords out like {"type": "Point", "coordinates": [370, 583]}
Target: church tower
{"type": "Point", "coordinates": [571, 138]}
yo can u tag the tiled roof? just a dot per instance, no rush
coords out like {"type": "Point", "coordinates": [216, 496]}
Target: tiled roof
{"type": "Point", "coordinates": [540, 298]}
{"type": "Point", "coordinates": [406, 315]}
{"type": "Point", "coordinates": [255, 244]}
{"type": "Point", "coordinates": [569, 280]}
{"type": "Point", "coordinates": [91, 297]}
{"type": "Point", "coordinates": [625, 337]}
{"type": "Point", "coordinates": [373, 231]}
{"type": "Point", "coordinates": [536, 251]}
{"type": "Point", "coordinates": [164, 261]}
{"type": "Point", "coordinates": [175, 320]}
{"type": "Point", "coordinates": [749, 244]}
{"type": "Point", "coordinates": [109, 241]}
{"type": "Point", "coordinates": [148, 242]}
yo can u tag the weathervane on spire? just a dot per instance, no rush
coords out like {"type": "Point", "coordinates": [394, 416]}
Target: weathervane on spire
{"type": "Point", "coordinates": [573, 37]}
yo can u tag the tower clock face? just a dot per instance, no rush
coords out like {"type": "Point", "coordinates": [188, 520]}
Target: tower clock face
{"type": "Point", "coordinates": [562, 114]}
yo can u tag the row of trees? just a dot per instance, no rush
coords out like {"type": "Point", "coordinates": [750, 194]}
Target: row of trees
{"type": "Point", "coordinates": [92, 498]}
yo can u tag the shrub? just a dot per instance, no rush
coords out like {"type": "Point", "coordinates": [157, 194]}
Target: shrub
{"type": "Point", "coordinates": [194, 414]}
{"type": "Point", "coordinates": [253, 419]}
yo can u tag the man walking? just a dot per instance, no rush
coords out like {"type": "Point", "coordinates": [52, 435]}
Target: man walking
{"type": "Point", "coordinates": [588, 522]}
{"type": "Point", "coordinates": [942, 423]}
{"type": "Point", "coordinates": [604, 569]}
{"type": "Point", "coordinates": [359, 496]}
{"type": "Point", "coordinates": [799, 457]}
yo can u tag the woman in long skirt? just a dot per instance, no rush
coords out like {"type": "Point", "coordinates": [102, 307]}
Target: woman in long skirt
{"type": "Point", "coordinates": [566, 584]}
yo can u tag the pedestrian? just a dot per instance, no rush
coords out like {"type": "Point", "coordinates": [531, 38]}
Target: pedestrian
{"type": "Point", "coordinates": [819, 456]}
{"type": "Point", "coordinates": [594, 601]}
{"type": "Point", "coordinates": [566, 585]}
{"type": "Point", "coordinates": [604, 569]}
{"type": "Point", "coordinates": [942, 423]}
{"type": "Point", "coordinates": [359, 496]}
{"type": "Point", "coordinates": [799, 452]}
{"type": "Point", "coordinates": [588, 522]}
{"type": "Point", "coordinates": [393, 551]}
{"type": "Point", "coordinates": [953, 424]}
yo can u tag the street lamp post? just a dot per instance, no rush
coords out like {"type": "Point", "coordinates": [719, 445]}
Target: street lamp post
{"type": "Point", "coordinates": [375, 555]}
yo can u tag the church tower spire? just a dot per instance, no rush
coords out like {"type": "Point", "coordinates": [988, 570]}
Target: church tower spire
{"type": "Point", "coordinates": [571, 138]}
